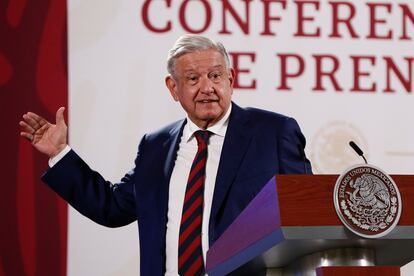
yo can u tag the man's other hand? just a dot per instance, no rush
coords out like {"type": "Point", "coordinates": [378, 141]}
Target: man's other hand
{"type": "Point", "coordinates": [47, 138]}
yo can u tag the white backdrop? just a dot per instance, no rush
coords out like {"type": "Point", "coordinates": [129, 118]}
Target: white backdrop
{"type": "Point", "coordinates": [117, 92]}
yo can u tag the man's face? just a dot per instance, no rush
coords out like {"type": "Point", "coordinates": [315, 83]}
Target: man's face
{"type": "Point", "coordinates": [203, 85]}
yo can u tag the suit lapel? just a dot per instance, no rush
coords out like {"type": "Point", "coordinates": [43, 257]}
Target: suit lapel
{"type": "Point", "coordinates": [236, 142]}
{"type": "Point", "coordinates": [172, 144]}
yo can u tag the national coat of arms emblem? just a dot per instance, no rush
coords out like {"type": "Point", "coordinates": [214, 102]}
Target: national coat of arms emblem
{"type": "Point", "coordinates": [367, 201]}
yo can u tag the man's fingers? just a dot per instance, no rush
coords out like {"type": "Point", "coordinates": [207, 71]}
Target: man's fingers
{"type": "Point", "coordinates": [39, 119]}
{"type": "Point", "coordinates": [26, 127]}
{"type": "Point", "coordinates": [60, 119]}
{"type": "Point", "coordinates": [29, 120]}
{"type": "Point", "coordinates": [43, 129]}
{"type": "Point", "coordinates": [26, 135]}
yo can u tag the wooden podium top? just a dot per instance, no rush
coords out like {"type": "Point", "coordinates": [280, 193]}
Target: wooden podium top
{"type": "Point", "coordinates": [307, 200]}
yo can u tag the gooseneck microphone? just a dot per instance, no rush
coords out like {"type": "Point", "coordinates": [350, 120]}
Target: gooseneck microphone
{"type": "Point", "coordinates": [357, 150]}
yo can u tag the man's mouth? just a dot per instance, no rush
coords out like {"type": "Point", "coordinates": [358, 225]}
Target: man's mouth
{"type": "Point", "coordinates": [207, 101]}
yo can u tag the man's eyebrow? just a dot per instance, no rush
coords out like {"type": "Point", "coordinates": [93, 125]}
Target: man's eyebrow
{"type": "Point", "coordinates": [191, 71]}
{"type": "Point", "coordinates": [218, 66]}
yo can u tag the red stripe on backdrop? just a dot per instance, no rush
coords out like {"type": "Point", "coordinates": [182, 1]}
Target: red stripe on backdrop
{"type": "Point", "coordinates": [15, 11]}
{"type": "Point", "coordinates": [33, 56]}
{"type": "Point", "coordinates": [25, 205]}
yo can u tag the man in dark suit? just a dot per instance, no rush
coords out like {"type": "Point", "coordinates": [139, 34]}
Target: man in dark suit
{"type": "Point", "coordinates": [182, 197]}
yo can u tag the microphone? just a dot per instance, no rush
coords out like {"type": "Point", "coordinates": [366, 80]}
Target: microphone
{"type": "Point", "coordinates": [357, 150]}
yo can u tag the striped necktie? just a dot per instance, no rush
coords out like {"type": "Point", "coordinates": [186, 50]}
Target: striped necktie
{"type": "Point", "coordinates": [190, 254]}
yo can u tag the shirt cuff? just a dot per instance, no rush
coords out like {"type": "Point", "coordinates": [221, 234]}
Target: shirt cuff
{"type": "Point", "coordinates": [60, 155]}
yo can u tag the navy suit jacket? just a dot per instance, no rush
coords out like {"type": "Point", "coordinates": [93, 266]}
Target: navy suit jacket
{"type": "Point", "coordinates": [258, 145]}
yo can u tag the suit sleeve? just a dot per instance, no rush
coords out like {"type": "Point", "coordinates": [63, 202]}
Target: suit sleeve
{"type": "Point", "coordinates": [292, 143]}
{"type": "Point", "coordinates": [111, 205]}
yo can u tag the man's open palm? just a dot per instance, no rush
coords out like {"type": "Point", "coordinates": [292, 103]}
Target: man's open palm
{"type": "Point", "coordinates": [47, 138]}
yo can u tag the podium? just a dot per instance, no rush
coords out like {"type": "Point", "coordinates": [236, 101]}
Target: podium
{"type": "Point", "coordinates": [291, 228]}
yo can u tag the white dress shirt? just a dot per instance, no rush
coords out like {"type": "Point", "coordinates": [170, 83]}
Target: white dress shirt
{"type": "Point", "coordinates": [178, 182]}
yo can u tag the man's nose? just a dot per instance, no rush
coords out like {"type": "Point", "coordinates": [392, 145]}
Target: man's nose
{"type": "Point", "coordinates": [206, 85]}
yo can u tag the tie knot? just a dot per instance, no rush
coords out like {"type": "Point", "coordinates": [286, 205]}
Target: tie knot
{"type": "Point", "coordinates": [202, 136]}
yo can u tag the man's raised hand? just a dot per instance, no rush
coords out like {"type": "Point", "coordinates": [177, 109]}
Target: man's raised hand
{"type": "Point", "coordinates": [47, 138]}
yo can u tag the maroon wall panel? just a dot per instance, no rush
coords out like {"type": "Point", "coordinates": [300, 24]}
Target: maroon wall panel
{"type": "Point", "coordinates": [33, 76]}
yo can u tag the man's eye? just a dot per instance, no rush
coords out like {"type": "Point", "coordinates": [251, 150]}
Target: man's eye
{"type": "Point", "coordinates": [215, 76]}
{"type": "Point", "coordinates": [192, 79]}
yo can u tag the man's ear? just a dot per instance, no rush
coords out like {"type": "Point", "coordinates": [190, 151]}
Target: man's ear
{"type": "Point", "coordinates": [172, 86]}
{"type": "Point", "coordinates": [232, 76]}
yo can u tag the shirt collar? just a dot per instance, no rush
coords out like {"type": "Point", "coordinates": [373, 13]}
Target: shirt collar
{"type": "Point", "coordinates": [218, 128]}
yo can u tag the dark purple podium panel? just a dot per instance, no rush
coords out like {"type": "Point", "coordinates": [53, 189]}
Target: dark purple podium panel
{"type": "Point", "coordinates": [251, 234]}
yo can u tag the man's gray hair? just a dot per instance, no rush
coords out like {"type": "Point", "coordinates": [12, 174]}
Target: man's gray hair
{"type": "Point", "coordinates": [190, 44]}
